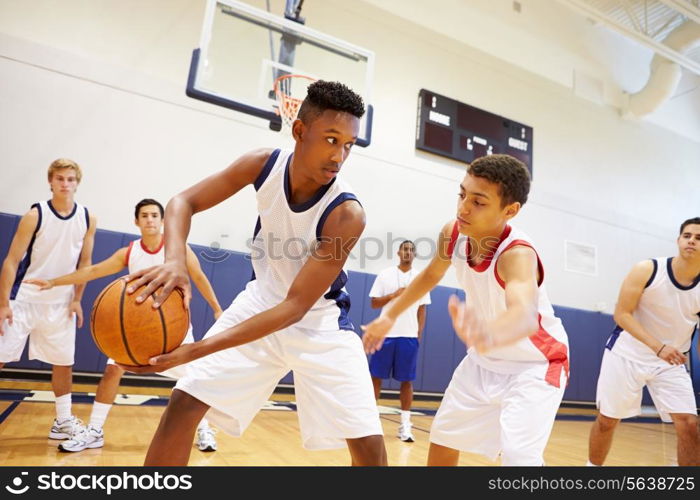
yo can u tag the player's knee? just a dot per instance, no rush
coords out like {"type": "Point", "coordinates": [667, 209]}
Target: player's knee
{"type": "Point", "coordinates": [686, 426]}
{"type": "Point", "coordinates": [182, 403]}
{"type": "Point", "coordinates": [606, 424]}
{"type": "Point", "coordinates": [368, 450]}
{"type": "Point", "coordinates": [113, 371]}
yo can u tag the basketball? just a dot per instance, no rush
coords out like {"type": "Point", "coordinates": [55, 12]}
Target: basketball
{"type": "Point", "coordinates": [132, 333]}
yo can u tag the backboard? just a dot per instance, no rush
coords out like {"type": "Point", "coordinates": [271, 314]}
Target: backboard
{"type": "Point", "coordinates": [243, 50]}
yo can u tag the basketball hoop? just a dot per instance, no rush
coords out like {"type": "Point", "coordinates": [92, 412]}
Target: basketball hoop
{"type": "Point", "coordinates": [289, 96]}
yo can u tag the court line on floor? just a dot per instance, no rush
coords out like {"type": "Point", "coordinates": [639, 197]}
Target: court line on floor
{"type": "Point", "coordinates": [8, 410]}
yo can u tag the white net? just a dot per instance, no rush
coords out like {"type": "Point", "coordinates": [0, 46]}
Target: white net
{"type": "Point", "coordinates": [290, 91]}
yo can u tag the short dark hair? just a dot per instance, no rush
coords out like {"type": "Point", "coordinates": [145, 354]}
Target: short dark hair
{"type": "Point", "coordinates": [509, 173]}
{"type": "Point", "coordinates": [146, 202]}
{"type": "Point", "coordinates": [694, 220]}
{"type": "Point", "coordinates": [322, 95]}
{"type": "Point", "coordinates": [407, 241]}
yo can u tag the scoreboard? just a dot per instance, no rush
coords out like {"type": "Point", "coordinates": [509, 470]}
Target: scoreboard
{"type": "Point", "coordinates": [462, 132]}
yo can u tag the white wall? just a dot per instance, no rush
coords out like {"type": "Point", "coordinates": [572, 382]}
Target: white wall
{"type": "Point", "coordinates": [103, 83]}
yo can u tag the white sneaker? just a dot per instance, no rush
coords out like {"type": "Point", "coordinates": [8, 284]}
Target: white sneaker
{"type": "Point", "coordinates": [405, 433]}
{"type": "Point", "coordinates": [91, 437]}
{"type": "Point", "coordinates": [67, 429]}
{"type": "Point", "coordinates": [205, 439]}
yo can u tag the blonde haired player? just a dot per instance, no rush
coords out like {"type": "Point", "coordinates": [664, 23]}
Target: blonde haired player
{"type": "Point", "coordinates": [139, 254]}
{"type": "Point", "coordinates": [505, 393]}
{"type": "Point", "coordinates": [54, 237]}
{"type": "Point", "coordinates": [656, 313]}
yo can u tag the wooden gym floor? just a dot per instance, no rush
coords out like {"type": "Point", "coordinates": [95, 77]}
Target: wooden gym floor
{"type": "Point", "coordinates": [273, 438]}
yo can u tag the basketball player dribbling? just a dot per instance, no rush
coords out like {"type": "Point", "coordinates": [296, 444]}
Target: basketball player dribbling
{"type": "Point", "coordinates": [294, 313]}
{"type": "Point", "coordinates": [141, 254]}
{"type": "Point", "coordinates": [54, 237]}
{"type": "Point", "coordinates": [505, 393]}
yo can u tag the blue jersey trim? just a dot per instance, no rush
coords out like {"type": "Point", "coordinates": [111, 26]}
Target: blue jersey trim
{"type": "Point", "coordinates": [27, 260]}
{"type": "Point", "coordinates": [302, 207]}
{"type": "Point", "coordinates": [75, 209]}
{"type": "Point", "coordinates": [342, 300]}
{"type": "Point", "coordinates": [258, 227]}
{"type": "Point", "coordinates": [613, 338]}
{"type": "Point", "coordinates": [669, 269]}
{"type": "Point", "coordinates": [266, 169]}
{"type": "Point", "coordinates": [653, 274]}
{"type": "Point", "coordinates": [342, 197]}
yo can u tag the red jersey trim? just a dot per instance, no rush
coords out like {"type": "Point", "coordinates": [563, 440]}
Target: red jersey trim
{"type": "Point", "coordinates": [128, 253]}
{"type": "Point", "coordinates": [523, 243]}
{"type": "Point", "coordinates": [160, 247]}
{"type": "Point", "coordinates": [453, 240]}
{"type": "Point", "coordinates": [484, 264]}
{"type": "Point", "coordinates": [554, 351]}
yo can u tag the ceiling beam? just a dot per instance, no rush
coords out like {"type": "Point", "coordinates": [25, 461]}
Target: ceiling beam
{"type": "Point", "coordinates": [586, 9]}
{"type": "Point", "coordinates": [686, 8]}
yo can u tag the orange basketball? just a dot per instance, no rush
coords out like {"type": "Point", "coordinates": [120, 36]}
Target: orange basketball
{"type": "Point", "coordinates": [131, 333]}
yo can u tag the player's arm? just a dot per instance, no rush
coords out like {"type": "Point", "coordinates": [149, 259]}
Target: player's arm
{"type": "Point", "coordinates": [85, 260]}
{"type": "Point", "coordinates": [111, 265]}
{"type": "Point", "coordinates": [18, 247]}
{"type": "Point", "coordinates": [85, 256]}
{"type": "Point", "coordinates": [178, 217]}
{"type": "Point", "coordinates": [519, 271]}
{"type": "Point", "coordinates": [427, 279]}
{"type": "Point", "coordinates": [631, 291]}
{"type": "Point", "coordinates": [379, 302]}
{"type": "Point", "coordinates": [421, 320]}
{"type": "Point", "coordinates": [340, 232]}
{"type": "Point", "coordinates": [202, 283]}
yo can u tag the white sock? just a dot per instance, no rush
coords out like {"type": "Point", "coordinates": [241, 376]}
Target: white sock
{"type": "Point", "coordinates": [203, 424]}
{"type": "Point", "coordinates": [405, 417]}
{"type": "Point", "coordinates": [591, 464]}
{"type": "Point", "coordinates": [99, 414]}
{"type": "Point", "coordinates": [63, 407]}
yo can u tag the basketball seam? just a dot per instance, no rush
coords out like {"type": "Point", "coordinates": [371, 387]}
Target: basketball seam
{"type": "Point", "coordinates": [165, 331]}
{"type": "Point", "coordinates": [121, 326]}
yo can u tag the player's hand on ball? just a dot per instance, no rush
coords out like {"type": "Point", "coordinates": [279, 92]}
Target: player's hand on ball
{"type": "Point", "coordinates": [170, 275]}
{"type": "Point", "coordinates": [179, 356]}
{"type": "Point", "coordinates": [374, 333]}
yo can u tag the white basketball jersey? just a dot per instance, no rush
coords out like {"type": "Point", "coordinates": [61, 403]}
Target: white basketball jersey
{"type": "Point", "coordinates": [53, 251]}
{"type": "Point", "coordinates": [284, 237]}
{"type": "Point", "coordinates": [547, 347]}
{"type": "Point", "coordinates": [139, 257]}
{"type": "Point", "coordinates": [667, 310]}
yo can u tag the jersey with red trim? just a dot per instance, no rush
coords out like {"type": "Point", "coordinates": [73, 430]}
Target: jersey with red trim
{"type": "Point", "coordinates": [547, 348]}
{"type": "Point", "coordinates": [139, 257]}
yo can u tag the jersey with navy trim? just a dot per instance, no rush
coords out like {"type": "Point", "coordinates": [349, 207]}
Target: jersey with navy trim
{"type": "Point", "coordinates": [667, 310]}
{"type": "Point", "coordinates": [285, 235]}
{"type": "Point", "coordinates": [53, 251]}
{"type": "Point", "coordinates": [139, 257]}
{"type": "Point", "coordinates": [547, 347]}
